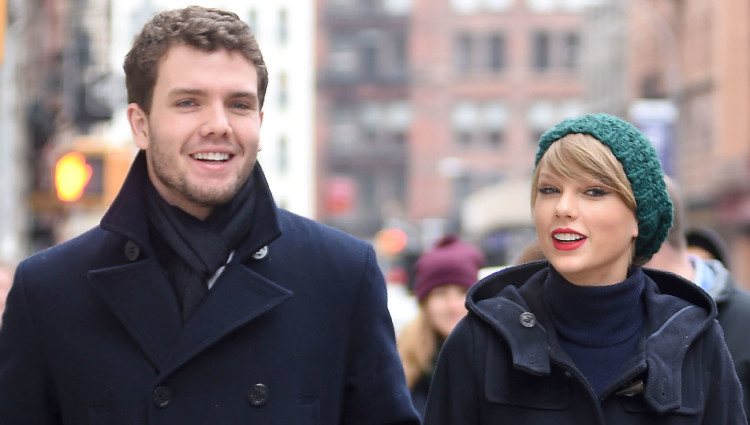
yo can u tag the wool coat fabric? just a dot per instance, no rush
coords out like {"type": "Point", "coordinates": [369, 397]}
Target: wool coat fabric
{"type": "Point", "coordinates": [733, 303]}
{"type": "Point", "coordinates": [503, 365]}
{"type": "Point", "coordinates": [295, 330]}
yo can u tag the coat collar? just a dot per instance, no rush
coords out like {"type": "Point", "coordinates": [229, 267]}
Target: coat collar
{"type": "Point", "coordinates": [678, 312]}
{"type": "Point", "coordinates": [139, 295]}
{"type": "Point", "coordinates": [126, 214]}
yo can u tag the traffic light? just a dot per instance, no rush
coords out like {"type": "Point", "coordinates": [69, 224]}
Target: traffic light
{"type": "Point", "coordinates": [3, 27]}
{"type": "Point", "coordinates": [391, 241]}
{"type": "Point", "coordinates": [89, 172]}
{"type": "Point", "coordinates": [72, 176]}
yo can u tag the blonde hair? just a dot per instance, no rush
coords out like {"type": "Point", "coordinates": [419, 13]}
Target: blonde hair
{"type": "Point", "coordinates": [583, 156]}
{"type": "Point", "coordinates": [417, 346]}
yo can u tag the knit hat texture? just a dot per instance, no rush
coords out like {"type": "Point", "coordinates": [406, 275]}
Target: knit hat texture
{"type": "Point", "coordinates": [642, 168]}
{"type": "Point", "coordinates": [450, 262]}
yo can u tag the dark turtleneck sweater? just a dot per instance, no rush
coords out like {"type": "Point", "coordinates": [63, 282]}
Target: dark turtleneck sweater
{"type": "Point", "coordinates": [599, 327]}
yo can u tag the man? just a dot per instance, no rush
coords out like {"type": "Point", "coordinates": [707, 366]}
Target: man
{"type": "Point", "coordinates": [196, 300]}
{"type": "Point", "coordinates": [732, 301]}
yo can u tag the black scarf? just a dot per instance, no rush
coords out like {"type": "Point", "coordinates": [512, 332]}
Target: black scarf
{"type": "Point", "coordinates": [191, 250]}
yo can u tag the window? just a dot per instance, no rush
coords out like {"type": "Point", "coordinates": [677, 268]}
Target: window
{"type": "Point", "coordinates": [283, 26]}
{"type": "Point", "coordinates": [498, 5]}
{"type": "Point", "coordinates": [343, 59]}
{"type": "Point", "coordinates": [465, 6]}
{"type": "Point", "coordinates": [283, 159]}
{"type": "Point", "coordinates": [252, 20]}
{"type": "Point", "coordinates": [495, 119]}
{"type": "Point", "coordinates": [541, 50]}
{"type": "Point", "coordinates": [462, 53]}
{"type": "Point", "coordinates": [283, 90]}
{"type": "Point", "coordinates": [398, 116]}
{"type": "Point", "coordinates": [571, 51]}
{"type": "Point", "coordinates": [496, 52]}
{"type": "Point", "coordinates": [397, 7]}
{"type": "Point", "coordinates": [369, 55]}
{"type": "Point", "coordinates": [344, 129]}
{"type": "Point", "coordinates": [464, 121]}
{"type": "Point", "coordinates": [540, 116]}
{"type": "Point", "coordinates": [400, 54]}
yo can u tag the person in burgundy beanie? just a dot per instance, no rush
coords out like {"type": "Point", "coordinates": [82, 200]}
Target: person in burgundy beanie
{"type": "Point", "coordinates": [443, 275]}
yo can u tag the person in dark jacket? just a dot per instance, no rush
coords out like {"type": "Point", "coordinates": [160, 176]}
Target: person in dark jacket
{"type": "Point", "coordinates": [732, 301]}
{"type": "Point", "coordinates": [442, 276]}
{"type": "Point", "coordinates": [197, 300]}
{"type": "Point", "coordinates": [588, 336]}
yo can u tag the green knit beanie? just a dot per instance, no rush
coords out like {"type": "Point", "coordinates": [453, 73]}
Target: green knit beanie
{"type": "Point", "coordinates": [641, 165]}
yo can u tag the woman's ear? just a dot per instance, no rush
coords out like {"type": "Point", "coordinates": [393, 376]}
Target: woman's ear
{"type": "Point", "coordinates": [138, 120]}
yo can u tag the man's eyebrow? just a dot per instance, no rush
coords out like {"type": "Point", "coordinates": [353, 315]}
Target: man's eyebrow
{"type": "Point", "coordinates": [181, 91]}
{"type": "Point", "coordinates": [185, 90]}
{"type": "Point", "coordinates": [248, 94]}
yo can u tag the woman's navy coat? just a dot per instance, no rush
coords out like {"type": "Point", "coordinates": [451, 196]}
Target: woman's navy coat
{"type": "Point", "coordinates": [502, 364]}
{"type": "Point", "coordinates": [295, 333]}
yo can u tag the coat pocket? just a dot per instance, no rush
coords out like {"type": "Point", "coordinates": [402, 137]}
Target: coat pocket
{"type": "Point", "coordinates": [109, 414]}
{"type": "Point", "coordinates": [309, 411]}
{"type": "Point", "coordinates": [503, 384]}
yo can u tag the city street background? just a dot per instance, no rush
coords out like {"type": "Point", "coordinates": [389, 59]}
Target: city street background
{"type": "Point", "coordinates": [395, 120]}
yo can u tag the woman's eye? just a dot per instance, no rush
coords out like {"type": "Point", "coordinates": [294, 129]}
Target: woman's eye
{"type": "Point", "coordinates": [596, 192]}
{"type": "Point", "coordinates": [547, 190]}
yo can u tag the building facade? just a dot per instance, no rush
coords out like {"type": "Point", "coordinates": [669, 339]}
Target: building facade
{"type": "Point", "coordinates": [695, 54]}
{"type": "Point", "coordinates": [449, 100]}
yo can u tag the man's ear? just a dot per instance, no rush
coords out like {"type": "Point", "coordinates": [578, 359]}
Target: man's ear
{"type": "Point", "coordinates": [138, 120]}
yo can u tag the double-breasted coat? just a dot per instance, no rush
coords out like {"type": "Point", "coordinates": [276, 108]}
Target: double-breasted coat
{"type": "Point", "coordinates": [294, 331]}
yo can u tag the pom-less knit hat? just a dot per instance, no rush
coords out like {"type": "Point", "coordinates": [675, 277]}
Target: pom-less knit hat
{"type": "Point", "coordinates": [642, 168]}
{"type": "Point", "coordinates": [450, 262]}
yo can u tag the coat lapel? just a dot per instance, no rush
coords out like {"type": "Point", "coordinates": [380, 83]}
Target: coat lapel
{"type": "Point", "coordinates": [239, 296]}
{"type": "Point", "coordinates": [144, 302]}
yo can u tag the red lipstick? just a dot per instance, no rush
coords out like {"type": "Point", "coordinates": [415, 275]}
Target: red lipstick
{"type": "Point", "coordinates": [565, 239]}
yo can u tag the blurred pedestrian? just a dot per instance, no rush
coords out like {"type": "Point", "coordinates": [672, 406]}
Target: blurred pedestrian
{"type": "Point", "coordinates": [401, 302]}
{"type": "Point", "coordinates": [732, 301]}
{"type": "Point", "coordinates": [197, 300]}
{"type": "Point", "coordinates": [443, 275]}
{"type": "Point", "coordinates": [531, 252]}
{"type": "Point", "coordinates": [589, 337]}
{"type": "Point", "coordinates": [706, 243]}
{"type": "Point", "coordinates": [6, 279]}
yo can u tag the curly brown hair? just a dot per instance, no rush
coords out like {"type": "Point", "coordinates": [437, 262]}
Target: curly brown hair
{"type": "Point", "coordinates": [203, 28]}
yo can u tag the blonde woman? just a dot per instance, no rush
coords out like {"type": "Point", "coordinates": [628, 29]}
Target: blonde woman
{"type": "Point", "coordinates": [443, 275]}
{"type": "Point", "coordinates": [589, 337]}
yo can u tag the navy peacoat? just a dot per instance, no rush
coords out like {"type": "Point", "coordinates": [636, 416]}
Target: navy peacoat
{"type": "Point", "coordinates": [295, 331]}
{"type": "Point", "coordinates": [502, 364]}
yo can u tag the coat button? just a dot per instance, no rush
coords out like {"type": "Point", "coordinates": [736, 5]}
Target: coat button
{"type": "Point", "coordinates": [527, 319]}
{"type": "Point", "coordinates": [132, 251]}
{"type": "Point", "coordinates": [258, 395]}
{"type": "Point", "coordinates": [162, 396]}
{"type": "Point", "coordinates": [261, 253]}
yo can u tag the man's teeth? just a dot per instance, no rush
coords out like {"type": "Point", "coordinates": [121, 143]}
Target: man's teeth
{"type": "Point", "coordinates": [211, 156]}
{"type": "Point", "coordinates": [567, 237]}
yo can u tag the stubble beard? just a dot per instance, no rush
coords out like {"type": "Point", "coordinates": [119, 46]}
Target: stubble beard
{"type": "Point", "coordinates": [178, 183]}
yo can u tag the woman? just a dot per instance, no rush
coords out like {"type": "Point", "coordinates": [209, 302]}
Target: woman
{"type": "Point", "coordinates": [589, 337]}
{"type": "Point", "coordinates": [442, 277]}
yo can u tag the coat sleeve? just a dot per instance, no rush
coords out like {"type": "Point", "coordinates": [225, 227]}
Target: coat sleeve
{"type": "Point", "coordinates": [375, 388]}
{"type": "Point", "coordinates": [724, 401]}
{"type": "Point", "coordinates": [26, 395]}
{"type": "Point", "coordinates": [455, 388]}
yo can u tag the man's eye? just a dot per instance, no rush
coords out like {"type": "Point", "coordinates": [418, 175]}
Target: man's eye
{"type": "Point", "coordinates": [185, 103]}
{"type": "Point", "coordinates": [241, 105]}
